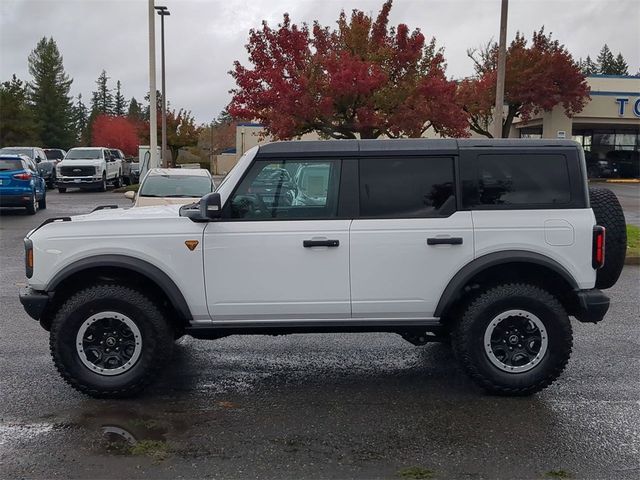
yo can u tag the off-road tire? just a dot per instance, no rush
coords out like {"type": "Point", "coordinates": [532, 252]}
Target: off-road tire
{"type": "Point", "coordinates": [62, 190]}
{"type": "Point", "coordinates": [42, 203]}
{"type": "Point", "coordinates": [468, 339]}
{"type": "Point", "coordinates": [32, 206]}
{"type": "Point", "coordinates": [156, 332]}
{"type": "Point", "coordinates": [609, 214]}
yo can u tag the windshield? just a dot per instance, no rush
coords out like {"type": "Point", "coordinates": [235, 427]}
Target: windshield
{"type": "Point", "coordinates": [18, 150]}
{"type": "Point", "coordinates": [176, 186]}
{"type": "Point", "coordinates": [84, 154]}
{"type": "Point", "coordinates": [54, 154]}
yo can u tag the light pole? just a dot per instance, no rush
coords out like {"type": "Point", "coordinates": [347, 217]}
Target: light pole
{"type": "Point", "coordinates": [502, 57]}
{"type": "Point", "coordinates": [163, 11]}
{"type": "Point", "coordinates": [153, 115]}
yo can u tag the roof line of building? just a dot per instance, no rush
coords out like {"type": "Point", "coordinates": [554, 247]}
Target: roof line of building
{"type": "Point", "coordinates": [605, 92]}
{"type": "Point", "coordinates": [601, 75]}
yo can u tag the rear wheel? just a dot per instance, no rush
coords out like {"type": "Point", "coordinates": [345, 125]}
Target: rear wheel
{"type": "Point", "coordinates": [609, 214]}
{"type": "Point", "coordinates": [110, 341]}
{"type": "Point", "coordinates": [62, 190]}
{"type": "Point", "coordinates": [32, 206]}
{"type": "Point", "coordinates": [117, 183]}
{"type": "Point", "coordinates": [514, 339]}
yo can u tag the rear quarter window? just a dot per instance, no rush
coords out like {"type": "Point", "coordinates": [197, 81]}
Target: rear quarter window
{"type": "Point", "coordinates": [516, 180]}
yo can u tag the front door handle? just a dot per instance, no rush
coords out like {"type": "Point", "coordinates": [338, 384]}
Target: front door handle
{"type": "Point", "coordinates": [444, 241]}
{"type": "Point", "coordinates": [320, 243]}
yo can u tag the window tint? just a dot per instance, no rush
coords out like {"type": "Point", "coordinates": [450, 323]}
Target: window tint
{"type": "Point", "coordinates": [284, 189]}
{"type": "Point", "coordinates": [10, 164]}
{"type": "Point", "coordinates": [83, 154]}
{"type": "Point", "coordinates": [175, 186]}
{"type": "Point", "coordinates": [406, 187]}
{"type": "Point", "coordinates": [534, 179]}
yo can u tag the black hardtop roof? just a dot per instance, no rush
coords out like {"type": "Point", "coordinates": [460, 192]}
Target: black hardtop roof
{"type": "Point", "coordinates": [402, 145]}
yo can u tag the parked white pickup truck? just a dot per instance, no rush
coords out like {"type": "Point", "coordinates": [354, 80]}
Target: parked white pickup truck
{"type": "Point", "coordinates": [88, 167]}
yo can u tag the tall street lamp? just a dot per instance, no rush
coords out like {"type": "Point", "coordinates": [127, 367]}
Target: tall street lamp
{"type": "Point", "coordinates": [163, 11]}
{"type": "Point", "coordinates": [502, 56]}
{"type": "Point", "coordinates": [153, 114]}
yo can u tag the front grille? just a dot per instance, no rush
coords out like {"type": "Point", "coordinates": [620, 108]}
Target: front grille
{"type": "Point", "coordinates": [77, 171]}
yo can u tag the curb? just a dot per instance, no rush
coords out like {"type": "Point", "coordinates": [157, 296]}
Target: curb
{"type": "Point", "coordinates": [623, 180]}
{"type": "Point", "coordinates": [632, 261]}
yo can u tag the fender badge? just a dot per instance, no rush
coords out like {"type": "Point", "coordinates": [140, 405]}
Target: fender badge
{"type": "Point", "coordinates": [191, 244]}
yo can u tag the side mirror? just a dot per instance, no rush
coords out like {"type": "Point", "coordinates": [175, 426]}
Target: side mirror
{"type": "Point", "coordinates": [38, 159]}
{"type": "Point", "coordinates": [211, 206]}
{"type": "Point", "coordinates": [130, 195]}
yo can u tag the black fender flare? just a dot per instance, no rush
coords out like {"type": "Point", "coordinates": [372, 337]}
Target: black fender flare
{"type": "Point", "coordinates": [466, 273]}
{"type": "Point", "coordinates": [166, 284]}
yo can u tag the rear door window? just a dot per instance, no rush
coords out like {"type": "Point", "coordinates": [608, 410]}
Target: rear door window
{"type": "Point", "coordinates": [406, 187]}
{"type": "Point", "coordinates": [521, 179]}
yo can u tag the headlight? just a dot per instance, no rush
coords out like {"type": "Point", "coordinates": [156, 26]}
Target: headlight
{"type": "Point", "coordinates": [97, 170]}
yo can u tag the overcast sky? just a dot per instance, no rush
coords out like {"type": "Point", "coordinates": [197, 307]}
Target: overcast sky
{"type": "Point", "coordinates": [203, 38]}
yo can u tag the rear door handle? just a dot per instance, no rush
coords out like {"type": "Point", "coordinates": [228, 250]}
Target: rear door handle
{"type": "Point", "coordinates": [444, 241]}
{"type": "Point", "coordinates": [320, 243]}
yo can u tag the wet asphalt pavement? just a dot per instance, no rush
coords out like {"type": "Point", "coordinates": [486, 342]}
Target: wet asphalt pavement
{"type": "Point", "coordinates": [314, 406]}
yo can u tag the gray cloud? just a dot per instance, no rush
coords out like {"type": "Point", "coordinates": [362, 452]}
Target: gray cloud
{"type": "Point", "coordinates": [204, 37]}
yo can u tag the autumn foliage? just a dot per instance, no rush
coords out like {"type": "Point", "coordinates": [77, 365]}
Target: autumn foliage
{"type": "Point", "coordinates": [364, 79]}
{"type": "Point", "coordinates": [538, 77]}
{"type": "Point", "coordinates": [115, 132]}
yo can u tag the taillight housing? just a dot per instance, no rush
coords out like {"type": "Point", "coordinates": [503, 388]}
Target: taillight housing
{"type": "Point", "coordinates": [22, 176]}
{"type": "Point", "coordinates": [28, 257]}
{"type": "Point", "coordinates": [597, 256]}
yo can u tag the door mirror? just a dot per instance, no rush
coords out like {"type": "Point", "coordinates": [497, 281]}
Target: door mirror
{"type": "Point", "coordinates": [211, 206]}
{"type": "Point", "coordinates": [130, 195]}
{"type": "Point", "coordinates": [38, 159]}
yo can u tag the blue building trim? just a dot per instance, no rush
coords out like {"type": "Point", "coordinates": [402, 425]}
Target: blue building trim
{"type": "Point", "coordinates": [250, 124]}
{"type": "Point", "coordinates": [615, 94]}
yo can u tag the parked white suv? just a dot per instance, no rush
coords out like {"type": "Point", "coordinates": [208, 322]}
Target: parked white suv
{"type": "Point", "coordinates": [88, 168]}
{"type": "Point", "coordinates": [489, 244]}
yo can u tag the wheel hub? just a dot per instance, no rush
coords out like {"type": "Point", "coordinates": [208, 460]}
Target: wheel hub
{"type": "Point", "coordinates": [109, 343]}
{"type": "Point", "coordinates": [515, 341]}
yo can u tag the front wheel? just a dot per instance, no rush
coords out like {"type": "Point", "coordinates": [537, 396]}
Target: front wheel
{"type": "Point", "coordinates": [514, 339]}
{"type": "Point", "coordinates": [103, 184]}
{"type": "Point", "coordinates": [110, 341]}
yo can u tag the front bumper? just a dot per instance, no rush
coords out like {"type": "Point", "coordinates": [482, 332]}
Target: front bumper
{"type": "Point", "coordinates": [78, 182]}
{"type": "Point", "coordinates": [592, 305]}
{"type": "Point", "coordinates": [21, 200]}
{"type": "Point", "coordinates": [34, 302]}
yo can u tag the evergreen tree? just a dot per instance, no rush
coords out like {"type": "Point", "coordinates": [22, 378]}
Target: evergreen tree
{"type": "Point", "coordinates": [49, 95]}
{"type": "Point", "coordinates": [621, 66]}
{"type": "Point", "coordinates": [135, 110]}
{"type": "Point", "coordinates": [102, 99]}
{"type": "Point", "coordinates": [119, 101]}
{"type": "Point", "coordinates": [81, 119]}
{"type": "Point", "coordinates": [17, 125]}
{"type": "Point", "coordinates": [606, 61]}
{"type": "Point", "coordinates": [147, 97]}
{"type": "Point", "coordinates": [589, 67]}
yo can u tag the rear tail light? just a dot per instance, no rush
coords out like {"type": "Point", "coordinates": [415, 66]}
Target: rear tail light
{"type": "Point", "coordinates": [28, 257]}
{"type": "Point", "coordinates": [22, 176]}
{"type": "Point", "coordinates": [597, 257]}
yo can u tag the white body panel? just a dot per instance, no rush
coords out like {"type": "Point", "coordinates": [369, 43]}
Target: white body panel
{"type": "Point", "coordinates": [261, 271]}
{"type": "Point", "coordinates": [562, 235]}
{"type": "Point", "coordinates": [153, 234]}
{"type": "Point", "coordinates": [395, 274]}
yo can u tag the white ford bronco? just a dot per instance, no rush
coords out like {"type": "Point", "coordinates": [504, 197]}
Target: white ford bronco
{"type": "Point", "coordinates": [88, 167]}
{"type": "Point", "coordinates": [489, 244]}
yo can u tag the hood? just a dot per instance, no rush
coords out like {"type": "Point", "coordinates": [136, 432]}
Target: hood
{"type": "Point", "coordinates": [133, 214]}
{"type": "Point", "coordinates": [149, 201]}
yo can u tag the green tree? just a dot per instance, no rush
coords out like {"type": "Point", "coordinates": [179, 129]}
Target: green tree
{"type": "Point", "coordinates": [49, 95]}
{"type": "Point", "coordinates": [588, 67]}
{"type": "Point", "coordinates": [81, 120]}
{"type": "Point", "coordinates": [621, 67]}
{"type": "Point", "coordinates": [102, 98]}
{"type": "Point", "coordinates": [17, 125]}
{"type": "Point", "coordinates": [147, 97]}
{"type": "Point", "coordinates": [120, 102]}
{"type": "Point", "coordinates": [181, 131]}
{"type": "Point", "coordinates": [606, 61]}
{"type": "Point", "coordinates": [135, 110]}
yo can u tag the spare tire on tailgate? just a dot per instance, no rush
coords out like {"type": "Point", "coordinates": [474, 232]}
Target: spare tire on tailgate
{"type": "Point", "coordinates": [609, 214]}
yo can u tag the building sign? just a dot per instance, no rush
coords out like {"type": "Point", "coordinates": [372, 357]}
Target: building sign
{"type": "Point", "coordinates": [624, 103]}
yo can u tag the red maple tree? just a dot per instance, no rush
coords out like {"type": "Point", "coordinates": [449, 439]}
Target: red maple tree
{"type": "Point", "coordinates": [537, 78]}
{"type": "Point", "coordinates": [364, 80]}
{"type": "Point", "coordinates": [115, 132]}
